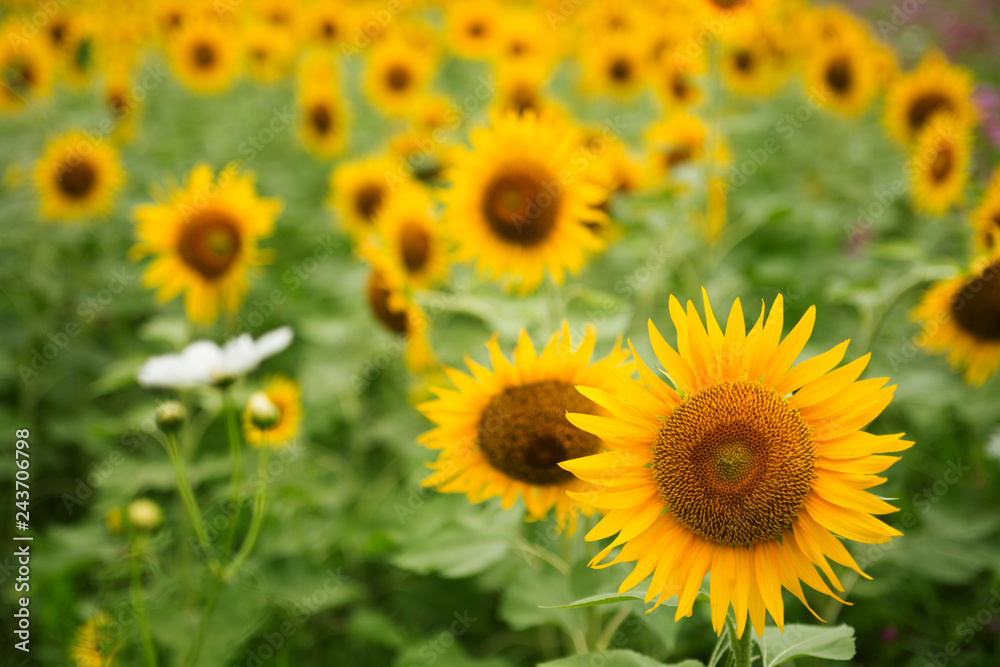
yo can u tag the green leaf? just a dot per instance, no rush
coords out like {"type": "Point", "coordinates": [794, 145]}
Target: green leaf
{"type": "Point", "coordinates": [612, 598]}
{"type": "Point", "coordinates": [776, 647]}
{"type": "Point", "coordinates": [616, 658]}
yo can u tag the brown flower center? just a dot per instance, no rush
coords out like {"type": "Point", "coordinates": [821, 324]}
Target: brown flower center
{"type": "Point", "coordinates": [368, 200]}
{"type": "Point", "coordinates": [398, 78]}
{"type": "Point", "coordinates": [378, 300]}
{"type": "Point", "coordinates": [976, 307]}
{"type": "Point", "coordinates": [944, 163]}
{"type": "Point", "coordinates": [620, 70]}
{"type": "Point", "coordinates": [77, 180]}
{"type": "Point", "coordinates": [209, 243]}
{"type": "Point", "coordinates": [203, 55]}
{"type": "Point", "coordinates": [523, 432]}
{"type": "Point", "coordinates": [734, 463]}
{"type": "Point", "coordinates": [840, 76]}
{"type": "Point", "coordinates": [727, 4]}
{"type": "Point", "coordinates": [924, 107]}
{"type": "Point", "coordinates": [521, 206]}
{"type": "Point", "coordinates": [744, 61]}
{"type": "Point", "coordinates": [415, 246]}
{"type": "Point", "coordinates": [321, 119]}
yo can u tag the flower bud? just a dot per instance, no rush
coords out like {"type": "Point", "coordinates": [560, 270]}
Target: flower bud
{"type": "Point", "coordinates": [264, 414]}
{"type": "Point", "coordinates": [144, 514]}
{"type": "Point", "coordinates": [169, 416]}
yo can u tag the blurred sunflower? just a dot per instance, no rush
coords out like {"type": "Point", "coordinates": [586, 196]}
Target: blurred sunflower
{"type": "Point", "coordinates": [120, 101]}
{"type": "Point", "coordinates": [205, 55]}
{"type": "Point", "coordinates": [474, 28]}
{"type": "Point", "coordinates": [268, 51]}
{"type": "Point", "coordinates": [203, 239]}
{"type": "Point", "coordinates": [412, 239]}
{"type": "Point", "coordinates": [939, 167]}
{"type": "Point", "coordinates": [747, 468]}
{"type": "Point", "coordinates": [358, 190]}
{"type": "Point", "coordinates": [525, 37]}
{"type": "Point", "coordinates": [750, 63]}
{"type": "Point", "coordinates": [961, 316]}
{"type": "Point", "coordinates": [92, 644]}
{"type": "Point", "coordinates": [519, 88]}
{"type": "Point", "coordinates": [286, 398]}
{"type": "Point", "coordinates": [396, 76]}
{"type": "Point", "coordinates": [327, 24]}
{"type": "Point", "coordinates": [78, 177]}
{"type": "Point", "coordinates": [171, 15]}
{"type": "Point", "coordinates": [617, 64]}
{"type": "Point", "coordinates": [402, 316]}
{"type": "Point", "coordinates": [502, 433]}
{"type": "Point", "coordinates": [323, 120]}
{"type": "Point", "coordinates": [840, 76]}
{"type": "Point", "coordinates": [26, 69]}
{"type": "Point", "coordinates": [513, 207]}
{"type": "Point", "coordinates": [986, 217]}
{"type": "Point", "coordinates": [934, 87]}
{"type": "Point", "coordinates": [676, 81]}
{"type": "Point", "coordinates": [426, 157]}
{"type": "Point", "coordinates": [677, 140]}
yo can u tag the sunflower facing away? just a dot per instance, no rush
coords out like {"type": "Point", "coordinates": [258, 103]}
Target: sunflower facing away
{"type": "Point", "coordinates": [503, 432]}
{"type": "Point", "coordinates": [939, 167]}
{"type": "Point", "coordinates": [986, 218]}
{"type": "Point", "coordinates": [961, 316]}
{"type": "Point", "coordinates": [92, 647]}
{"type": "Point", "coordinates": [203, 239]}
{"type": "Point", "coordinates": [511, 207]}
{"type": "Point", "coordinates": [286, 396]}
{"type": "Point", "coordinates": [747, 468]}
{"type": "Point", "coordinates": [935, 87]}
{"type": "Point", "coordinates": [78, 177]}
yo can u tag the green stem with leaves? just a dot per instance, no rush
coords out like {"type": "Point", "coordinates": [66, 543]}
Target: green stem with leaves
{"type": "Point", "coordinates": [184, 487]}
{"type": "Point", "coordinates": [236, 452]}
{"type": "Point", "coordinates": [258, 515]}
{"type": "Point", "coordinates": [742, 647]}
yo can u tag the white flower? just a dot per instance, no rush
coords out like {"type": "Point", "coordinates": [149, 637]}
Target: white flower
{"type": "Point", "coordinates": [204, 362]}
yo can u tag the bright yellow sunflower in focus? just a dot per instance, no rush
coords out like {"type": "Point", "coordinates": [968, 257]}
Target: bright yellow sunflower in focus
{"type": "Point", "coordinates": [285, 398]}
{"type": "Point", "coordinates": [745, 466]}
{"type": "Point", "coordinates": [518, 205]}
{"type": "Point", "coordinates": [961, 316]}
{"type": "Point", "coordinates": [92, 645]}
{"type": "Point", "coordinates": [935, 87]}
{"type": "Point", "coordinates": [986, 218]}
{"type": "Point", "coordinates": [939, 167]}
{"type": "Point", "coordinates": [78, 177]}
{"type": "Point", "coordinates": [502, 433]}
{"type": "Point", "coordinates": [205, 55]}
{"type": "Point", "coordinates": [203, 240]}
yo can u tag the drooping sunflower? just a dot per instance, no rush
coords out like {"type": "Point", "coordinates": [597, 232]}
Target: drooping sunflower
{"type": "Point", "coordinates": [411, 237]}
{"type": "Point", "coordinates": [512, 207]}
{"type": "Point", "coordinates": [939, 167]}
{"type": "Point", "coordinates": [502, 433]}
{"type": "Point", "coordinates": [92, 645]}
{"type": "Point", "coordinates": [474, 28]}
{"type": "Point", "coordinates": [358, 190]}
{"type": "Point", "coordinates": [397, 75]}
{"type": "Point", "coordinates": [400, 315]}
{"type": "Point", "coordinates": [840, 75]}
{"type": "Point", "coordinates": [934, 87]}
{"type": "Point", "coordinates": [285, 395]}
{"type": "Point", "coordinates": [26, 68]}
{"type": "Point", "coordinates": [986, 217]}
{"type": "Point", "coordinates": [961, 316]}
{"type": "Point", "coordinates": [205, 55]}
{"type": "Point", "coordinates": [78, 177]}
{"type": "Point", "coordinates": [203, 239]}
{"type": "Point", "coordinates": [747, 468]}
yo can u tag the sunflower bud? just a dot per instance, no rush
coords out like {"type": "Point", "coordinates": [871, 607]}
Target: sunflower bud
{"type": "Point", "coordinates": [169, 416]}
{"type": "Point", "coordinates": [144, 514]}
{"type": "Point", "coordinates": [264, 414]}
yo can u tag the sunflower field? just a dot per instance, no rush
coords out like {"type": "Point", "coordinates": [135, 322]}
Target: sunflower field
{"type": "Point", "coordinates": [575, 333]}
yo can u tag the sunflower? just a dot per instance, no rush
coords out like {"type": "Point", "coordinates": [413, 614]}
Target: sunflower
{"type": "Point", "coordinates": [268, 51]}
{"type": "Point", "coordinates": [503, 432]}
{"type": "Point", "coordinates": [327, 24]}
{"type": "Point", "coordinates": [171, 15]}
{"type": "Point", "coordinates": [78, 177]}
{"type": "Point", "coordinates": [751, 63]}
{"type": "Point", "coordinates": [397, 74]}
{"type": "Point", "coordinates": [729, 472]}
{"type": "Point", "coordinates": [520, 88]}
{"type": "Point", "coordinates": [516, 205]}
{"type": "Point", "coordinates": [412, 239]}
{"type": "Point", "coordinates": [286, 396]}
{"type": "Point", "coordinates": [526, 38]}
{"type": "Point", "coordinates": [205, 55]}
{"type": "Point", "coordinates": [840, 75]}
{"type": "Point", "coordinates": [92, 645]}
{"type": "Point", "coordinates": [961, 316]}
{"type": "Point", "coordinates": [203, 239]}
{"type": "Point", "coordinates": [934, 87]}
{"type": "Point", "coordinates": [123, 106]}
{"type": "Point", "coordinates": [400, 315]}
{"type": "Point", "coordinates": [474, 28]}
{"type": "Point", "coordinates": [986, 218]}
{"type": "Point", "coordinates": [678, 140]}
{"type": "Point", "coordinates": [322, 117]}
{"type": "Point", "coordinates": [26, 69]}
{"type": "Point", "coordinates": [617, 63]}
{"type": "Point", "coordinates": [939, 168]}
{"type": "Point", "coordinates": [676, 81]}
{"type": "Point", "coordinates": [425, 156]}
{"type": "Point", "coordinates": [358, 190]}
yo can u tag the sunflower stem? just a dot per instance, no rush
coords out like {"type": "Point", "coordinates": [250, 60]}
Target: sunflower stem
{"type": "Point", "coordinates": [139, 599]}
{"type": "Point", "coordinates": [742, 646]}
{"type": "Point", "coordinates": [256, 520]}
{"type": "Point", "coordinates": [556, 309]}
{"type": "Point", "coordinates": [236, 451]}
{"type": "Point", "coordinates": [199, 636]}
{"type": "Point", "coordinates": [184, 488]}
{"type": "Point", "coordinates": [611, 628]}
